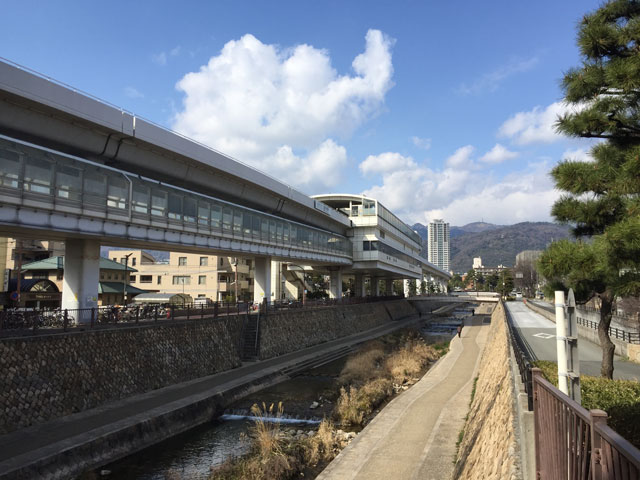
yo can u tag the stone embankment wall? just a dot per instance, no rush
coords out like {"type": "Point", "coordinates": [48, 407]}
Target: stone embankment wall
{"type": "Point", "coordinates": [285, 332]}
{"type": "Point", "coordinates": [50, 376]}
{"type": "Point", "coordinates": [591, 334]}
{"type": "Point", "coordinates": [488, 448]}
{"type": "Point", "coordinates": [400, 309]}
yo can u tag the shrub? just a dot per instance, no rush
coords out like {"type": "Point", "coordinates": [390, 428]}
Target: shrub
{"type": "Point", "coordinates": [619, 398]}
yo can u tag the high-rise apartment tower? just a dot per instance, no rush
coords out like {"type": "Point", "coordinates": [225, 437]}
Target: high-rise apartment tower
{"type": "Point", "coordinates": [438, 244]}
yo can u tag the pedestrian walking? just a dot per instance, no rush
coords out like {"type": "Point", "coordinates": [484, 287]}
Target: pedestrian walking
{"type": "Point", "coordinates": [459, 330]}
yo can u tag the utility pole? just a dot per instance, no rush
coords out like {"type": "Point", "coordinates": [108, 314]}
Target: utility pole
{"type": "Point", "coordinates": [235, 264]}
{"type": "Point", "coordinates": [19, 260]}
{"type": "Point", "coordinates": [124, 279]}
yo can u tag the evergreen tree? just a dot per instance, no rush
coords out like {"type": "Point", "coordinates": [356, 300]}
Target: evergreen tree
{"type": "Point", "coordinates": [601, 200]}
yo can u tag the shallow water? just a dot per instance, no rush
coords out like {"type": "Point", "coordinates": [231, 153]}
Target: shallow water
{"type": "Point", "coordinates": [187, 456]}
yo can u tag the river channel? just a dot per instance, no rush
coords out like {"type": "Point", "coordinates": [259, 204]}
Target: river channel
{"type": "Point", "coordinates": [192, 454]}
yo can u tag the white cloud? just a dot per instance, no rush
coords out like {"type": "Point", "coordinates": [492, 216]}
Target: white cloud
{"type": "Point", "coordinates": [386, 162]}
{"type": "Point", "coordinates": [537, 125]}
{"type": "Point", "coordinates": [133, 92]}
{"type": "Point", "coordinates": [462, 194]}
{"type": "Point", "coordinates": [262, 103]}
{"type": "Point", "coordinates": [578, 154]}
{"type": "Point", "coordinates": [461, 157]}
{"type": "Point", "coordinates": [498, 154]}
{"type": "Point", "coordinates": [159, 58]}
{"type": "Point", "coordinates": [162, 57]}
{"type": "Point", "coordinates": [424, 143]}
{"type": "Point", "coordinates": [489, 82]}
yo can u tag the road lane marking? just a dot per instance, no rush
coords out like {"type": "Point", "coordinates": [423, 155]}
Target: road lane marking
{"type": "Point", "coordinates": [543, 335]}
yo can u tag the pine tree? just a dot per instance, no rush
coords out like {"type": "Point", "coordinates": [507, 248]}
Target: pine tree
{"type": "Point", "coordinates": [602, 197]}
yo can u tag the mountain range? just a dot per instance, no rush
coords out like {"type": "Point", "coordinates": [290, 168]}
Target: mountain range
{"type": "Point", "coordinates": [495, 244]}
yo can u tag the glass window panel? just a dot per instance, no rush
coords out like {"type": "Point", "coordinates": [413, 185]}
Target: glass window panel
{"type": "Point", "coordinates": [38, 175]}
{"type": "Point", "coordinates": [95, 187]}
{"type": "Point", "coordinates": [256, 226]}
{"type": "Point", "coordinates": [285, 233]}
{"type": "Point", "coordinates": [158, 202]}
{"type": "Point", "coordinates": [190, 207]}
{"type": "Point", "coordinates": [175, 206]}
{"type": "Point", "coordinates": [9, 168]}
{"type": "Point", "coordinates": [117, 192]}
{"type": "Point", "coordinates": [246, 224]}
{"type": "Point", "coordinates": [294, 235]}
{"type": "Point", "coordinates": [140, 201]}
{"type": "Point", "coordinates": [227, 218]}
{"type": "Point", "coordinates": [366, 245]}
{"type": "Point", "coordinates": [237, 221]}
{"type": "Point", "coordinates": [216, 216]}
{"type": "Point", "coordinates": [272, 230]}
{"type": "Point", "coordinates": [69, 182]}
{"type": "Point", "coordinates": [279, 231]}
{"type": "Point", "coordinates": [203, 213]}
{"type": "Point", "coordinates": [265, 229]}
{"type": "Point", "coordinates": [374, 246]}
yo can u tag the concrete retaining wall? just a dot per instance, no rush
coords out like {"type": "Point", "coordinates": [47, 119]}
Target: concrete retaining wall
{"type": "Point", "coordinates": [50, 376]}
{"type": "Point", "coordinates": [488, 448]}
{"type": "Point", "coordinates": [400, 309]}
{"type": "Point", "coordinates": [591, 334]}
{"type": "Point", "coordinates": [285, 332]}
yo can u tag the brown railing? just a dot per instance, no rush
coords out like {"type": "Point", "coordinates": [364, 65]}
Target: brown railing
{"type": "Point", "coordinates": [574, 443]}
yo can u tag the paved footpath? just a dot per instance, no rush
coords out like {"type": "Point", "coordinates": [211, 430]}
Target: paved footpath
{"type": "Point", "coordinates": [414, 436]}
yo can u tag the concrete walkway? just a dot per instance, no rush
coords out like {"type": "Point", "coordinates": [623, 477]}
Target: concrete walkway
{"type": "Point", "coordinates": [414, 437]}
{"type": "Point", "coordinates": [66, 446]}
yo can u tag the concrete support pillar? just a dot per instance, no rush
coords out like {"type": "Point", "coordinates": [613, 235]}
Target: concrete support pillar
{"type": "Point", "coordinates": [359, 285]}
{"type": "Point", "coordinates": [262, 280]}
{"type": "Point", "coordinates": [376, 288]}
{"type": "Point", "coordinates": [335, 284]}
{"type": "Point", "coordinates": [276, 280]}
{"type": "Point", "coordinates": [81, 275]}
{"type": "Point", "coordinates": [388, 286]}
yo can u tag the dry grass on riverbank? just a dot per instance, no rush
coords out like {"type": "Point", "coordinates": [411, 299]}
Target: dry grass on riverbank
{"type": "Point", "coordinates": [273, 456]}
{"type": "Point", "coordinates": [372, 376]}
{"type": "Point", "coordinates": [369, 378]}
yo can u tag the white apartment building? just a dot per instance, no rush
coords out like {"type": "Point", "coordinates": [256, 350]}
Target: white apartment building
{"type": "Point", "coordinates": [438, 244]}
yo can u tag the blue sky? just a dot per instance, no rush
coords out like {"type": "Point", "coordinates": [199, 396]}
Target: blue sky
{"type": "Point", "coordinates": [438, 109]}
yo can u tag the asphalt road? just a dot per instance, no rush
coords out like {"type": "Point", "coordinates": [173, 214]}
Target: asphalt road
{"type": "Point", "coordinates": [540, 334]}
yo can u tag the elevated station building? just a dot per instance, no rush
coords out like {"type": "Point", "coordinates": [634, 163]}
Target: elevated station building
{"type": "Point", "coordinates": [76, 169]}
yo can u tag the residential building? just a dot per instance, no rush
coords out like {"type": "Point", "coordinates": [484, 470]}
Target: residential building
{"type": "Point", "coordinates": [114, 279]}
{"type": "Point", "coordinates": [477, 263]}
{"type": "Point", "coordinates": [194, 274]}
{"type": "Point", "coordinates": [438, 244]}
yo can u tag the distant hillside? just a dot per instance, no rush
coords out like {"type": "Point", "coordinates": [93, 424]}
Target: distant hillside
{"type": "Point", "coordinates": [496, 244]}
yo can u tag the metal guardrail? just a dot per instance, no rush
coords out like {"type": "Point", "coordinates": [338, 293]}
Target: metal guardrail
{"type": "Point", "coordinates": [23, 322]}
{"type": "Point", "coordinates": [574, 443]}
{"type": "Point", "coordinates": [524, 358]}
{"type": "Point", "coordinates": [614, 332]}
